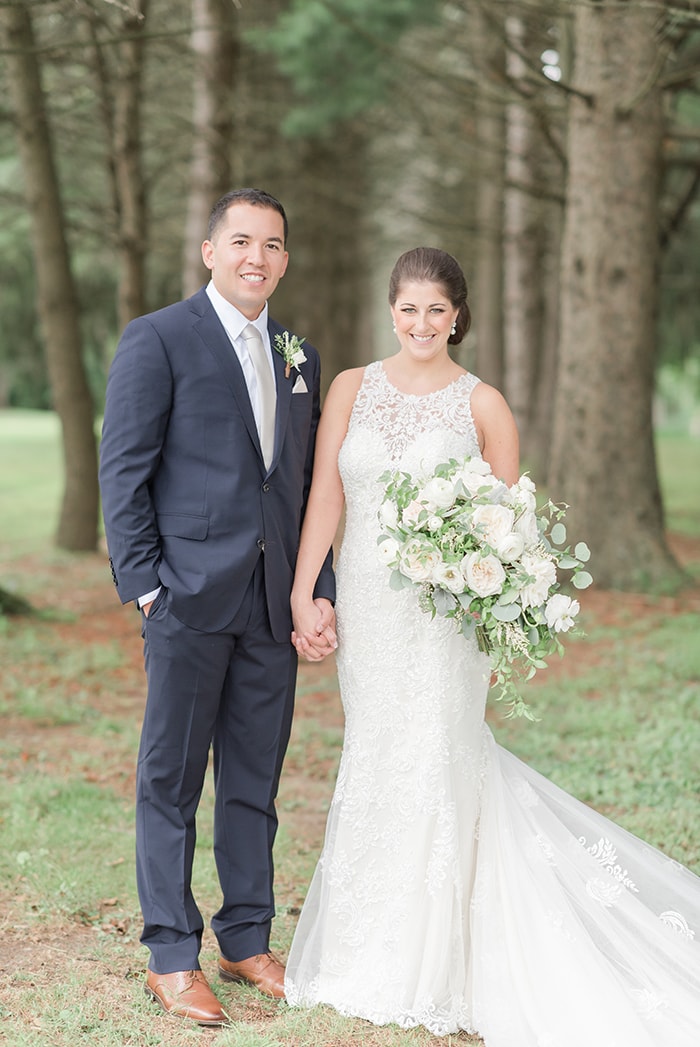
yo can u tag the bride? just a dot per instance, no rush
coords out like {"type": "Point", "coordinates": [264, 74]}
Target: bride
{"type": "Point", "coordinates": [458, 888]}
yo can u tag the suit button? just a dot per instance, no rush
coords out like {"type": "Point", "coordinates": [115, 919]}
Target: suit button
{"type": "Point", "coordinates": [261, 544]}
{"type": "Point", "coordinates": [266, 488]}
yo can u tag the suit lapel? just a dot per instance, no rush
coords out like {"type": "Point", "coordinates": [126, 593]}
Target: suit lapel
{"type": "Point", "coordinates": [212, 333]}
{"type": "Point", "coordinates": [284, 392]}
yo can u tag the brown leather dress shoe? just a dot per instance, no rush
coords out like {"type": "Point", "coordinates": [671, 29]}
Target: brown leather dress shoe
{"type": "Point", "coordinates": [186, 994]}
{"type": "Point", "coordinates": [265, 972]}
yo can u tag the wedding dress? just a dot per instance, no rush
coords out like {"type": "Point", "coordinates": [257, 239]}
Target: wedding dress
{"type": "Point", "coordinates": [458, 888]}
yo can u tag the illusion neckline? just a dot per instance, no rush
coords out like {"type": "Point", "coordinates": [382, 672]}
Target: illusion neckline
{"type": "Point", "coordinates": [419, 396]}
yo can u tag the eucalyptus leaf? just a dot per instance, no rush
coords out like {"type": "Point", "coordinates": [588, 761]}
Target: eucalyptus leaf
{"type": "Point", "coordinates": [582, 580]}
{"type": "Point", "coordinates": [582, 552]}
{"type": "Point", "coordinates": [505, 612]}
{"type": "Point", "coordinates": [444, 601]}
{"type": "Point", "coordinates": [510, 597]}
{"type": "Point", "coordinates": [468, 626]}
{"type": "Point", "coordinates": [558, 534]}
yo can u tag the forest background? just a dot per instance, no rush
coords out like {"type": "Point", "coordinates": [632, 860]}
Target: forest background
{"type": "Point", "coordinates": [553, 146]}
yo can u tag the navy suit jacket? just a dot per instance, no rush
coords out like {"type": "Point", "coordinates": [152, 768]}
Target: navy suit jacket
{"type": "Point", "coordinates": [187, 501]}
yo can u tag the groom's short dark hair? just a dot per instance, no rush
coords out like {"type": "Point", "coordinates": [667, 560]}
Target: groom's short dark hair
{"type": "Point", "coordinates": [256, 197]}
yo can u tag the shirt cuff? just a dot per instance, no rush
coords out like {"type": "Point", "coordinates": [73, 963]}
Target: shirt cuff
{"type": "Point", "coordinates": [149, 597]}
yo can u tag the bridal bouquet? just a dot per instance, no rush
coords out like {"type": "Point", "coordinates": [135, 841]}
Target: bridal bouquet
{"type": "Point", "coordinates": [481, 552]}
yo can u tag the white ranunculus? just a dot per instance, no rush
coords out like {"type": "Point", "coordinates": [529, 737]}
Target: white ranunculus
{"type": "Point", "coordinates": [526, 526]}
{"type": "Point", "coordinates": [560, 612]}
{"type": "Point", "coordinates": [508, 549]}
{"type": "Point", "coordinates": [388, 514]}
{"type": "Point", "coordinates": [418, 561]}
{"type": "Point", "coordinates": [299, 357]}
{"type": "Point", "coordinates": [448, 576]}
{"type": "Point", "coordinates": [434, 523]}
{"type": "Point", "coordinates": [493, 523]}
{"type": "Point", "coordinates": [483, 574]}
{"type": "Point", "coordinates": [388, 550]}
{"type": "Point", "coordinates": [543, 574]}
{"type": "Point", "coordinates": [438, 493]}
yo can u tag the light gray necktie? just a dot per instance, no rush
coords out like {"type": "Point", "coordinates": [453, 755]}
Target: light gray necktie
{"type": "Point", "coordinates": [267, 392]}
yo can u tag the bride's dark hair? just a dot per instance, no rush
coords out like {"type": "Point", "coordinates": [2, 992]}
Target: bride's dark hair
{"type": "Point", "coordinates": [429, 265]}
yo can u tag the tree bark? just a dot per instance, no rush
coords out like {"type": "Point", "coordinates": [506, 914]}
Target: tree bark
{"type": "Point", "coordinates": [129, 178]}
{"type": "Point", "coordinates": [56, 294]}
{"type": "Point", "coordinates": [603, 460]}
{"type": "Point", "coordinates": [525, 243]}
{"type": "Point", "coordinates": [216, 49]}
{"type": "Point", "coordinates": [489, 53]}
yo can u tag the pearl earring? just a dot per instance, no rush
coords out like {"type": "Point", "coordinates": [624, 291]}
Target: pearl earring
{"type": "Point", "coordinates": [453, 329]}
{"type": "Point", "coordinates": [393, 326]}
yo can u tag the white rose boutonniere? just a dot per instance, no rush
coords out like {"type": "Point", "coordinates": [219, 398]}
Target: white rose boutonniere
{"type": "Point", "coordinates": [290, 347]}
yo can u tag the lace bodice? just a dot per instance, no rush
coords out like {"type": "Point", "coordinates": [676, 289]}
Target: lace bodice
{"type": "Point", "coordinates": [391, 429]}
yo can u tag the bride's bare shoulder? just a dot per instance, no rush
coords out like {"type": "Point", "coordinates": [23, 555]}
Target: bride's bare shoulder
{"type": "Point", "coordinates": [345, 386]}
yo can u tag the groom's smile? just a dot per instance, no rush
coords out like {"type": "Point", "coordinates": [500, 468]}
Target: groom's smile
{"type": "Point", "coordinates": [246, 256]}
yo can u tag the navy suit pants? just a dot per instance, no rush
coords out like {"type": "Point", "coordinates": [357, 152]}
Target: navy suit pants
{"type": "Point", "coordinates": [232, 690]}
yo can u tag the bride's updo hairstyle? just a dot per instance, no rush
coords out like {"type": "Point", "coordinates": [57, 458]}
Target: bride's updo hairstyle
{"type": "Point", "coordinates": [429, 265]}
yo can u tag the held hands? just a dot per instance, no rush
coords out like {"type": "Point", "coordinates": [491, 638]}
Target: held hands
{"type": "Point", "coordinates": [314, 629]}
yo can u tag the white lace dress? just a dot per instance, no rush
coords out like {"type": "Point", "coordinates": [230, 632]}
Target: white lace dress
{"type": "Point", "coordinates": [458, 888]}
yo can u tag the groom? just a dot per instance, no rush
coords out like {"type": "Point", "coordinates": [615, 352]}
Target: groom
{"type": "Point", "coordinates": [206, 460]}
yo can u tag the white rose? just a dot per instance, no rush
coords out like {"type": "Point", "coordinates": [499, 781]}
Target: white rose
{"type": "Point", "coordinates": [388, 514]}
{"type": "Point", "coordinates": [544, 575]}
{"type": "Point", "coordinates": [411, 513]}
{"type": "Point", "coordinates": [434, 523]}
{"type": "Point", "coordinates": [388, 550]}
{"type": "Point", "coordinates": [475, 474]}
{"type": "Point", "coordinates": [526, 484]}
{"type": "Point", "coordinates": [418, 561]}
{"type": "Point", "coordinates": [560, 612]}
{"type": "Point", "coordinates": [483, 574]}
{"type": "Point", "coordinates": [520, 496]}
{"type": "Point", "coordinates": [493, 523]}
{"type": "Point", "coordinates": [438, 492]}
{"type": "Point", "coordinates": [526, 526]}
{"type": "Point", "coordinates": [448, 576]}
{"type": "Point", "coordinates": [510, 548]}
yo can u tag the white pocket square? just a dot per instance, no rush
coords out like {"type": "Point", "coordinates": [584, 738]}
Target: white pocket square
{"type": "Point", "coordinates": [300, 385]}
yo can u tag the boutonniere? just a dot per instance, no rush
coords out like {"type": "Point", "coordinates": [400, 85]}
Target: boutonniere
{"type": "Point", "coordinates": [290, 348]}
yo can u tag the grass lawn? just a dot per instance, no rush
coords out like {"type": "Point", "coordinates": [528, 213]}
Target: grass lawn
{"type": "Point", "coordinates": [620, 728]}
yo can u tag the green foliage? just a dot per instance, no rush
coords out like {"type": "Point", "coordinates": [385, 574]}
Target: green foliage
{"type": "Point", "coordinates": [23, 378]}
{"type": "Point", "coordinates": [339, 54]}
{"type": "Point", "coordinates": [30, 481]}
{"type": "Point", "coordinates": [679, 469]}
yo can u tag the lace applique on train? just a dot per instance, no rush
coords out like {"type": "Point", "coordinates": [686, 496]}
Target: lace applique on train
{"type": "Point", "coordinates": [457, 888]}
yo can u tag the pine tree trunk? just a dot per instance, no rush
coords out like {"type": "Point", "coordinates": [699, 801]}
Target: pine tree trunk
{"type": "Point", "coordinates": [216, 50]}
{"type": "Point", "coordinates": [487, 299]}
{"type": "Point", "coordinates": [603, 460]}
{"type": "Point", "coordinates": [56, 294]}
{"type": "Point", "coordinates": [128, 166]}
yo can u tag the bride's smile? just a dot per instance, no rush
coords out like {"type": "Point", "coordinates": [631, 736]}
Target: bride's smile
{"type": "Point", "coordinates": [423, 317]}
